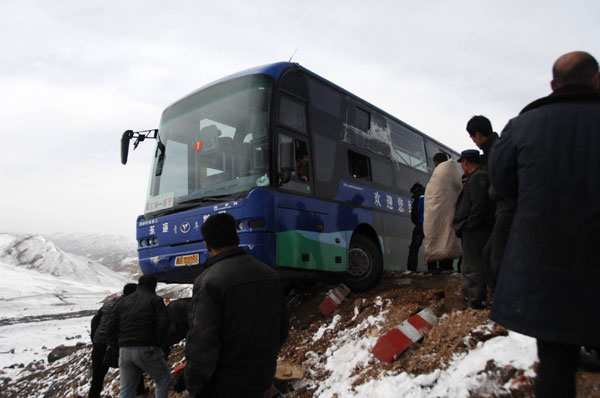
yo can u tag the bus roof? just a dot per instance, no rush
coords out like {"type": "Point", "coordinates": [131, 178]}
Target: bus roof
{"type": "Point", "coordinates": [276, 69]}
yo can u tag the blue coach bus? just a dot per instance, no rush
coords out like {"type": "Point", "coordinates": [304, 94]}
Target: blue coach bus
{"type": "Point", "coordinates": [315, 177]}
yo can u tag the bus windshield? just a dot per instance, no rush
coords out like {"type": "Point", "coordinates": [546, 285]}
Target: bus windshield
{"type": "Point", "coordinates": [215, 146]}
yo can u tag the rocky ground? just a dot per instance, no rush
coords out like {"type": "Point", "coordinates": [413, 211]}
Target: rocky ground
{"type": "Point", "coordinates": [302, 358]}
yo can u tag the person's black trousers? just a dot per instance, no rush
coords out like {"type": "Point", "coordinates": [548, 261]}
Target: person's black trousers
{"type": "Point", "coordinates": [99, 370]}
{"type": "Point", "coordinates": [415, 244]}
{"type": "Point", "coordinates": [556, 371]}
{"type": "Point", "coordinates": [493, 252]}
{"type": "Point", "coordinates": [473, 283]}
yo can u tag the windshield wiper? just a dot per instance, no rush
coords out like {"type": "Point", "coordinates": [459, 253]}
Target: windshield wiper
{"type": "Point", "coordinates": [160, 213]}
{"type": "Point", "coordinates": [214, 198]}
{"type": "Point", "coordinates": [186, 204]}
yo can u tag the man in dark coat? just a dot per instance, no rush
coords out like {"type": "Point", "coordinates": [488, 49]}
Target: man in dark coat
{"type": "Point", "coordinates": [141, 321]}
{"type": "Point", "coordinates": [179, 327]}
{"type": "Point", "coordinates": [238, 319]}
{"type": "Point", "coordinates": [548, 285]}
{"type": "Point", "coordinates": [416, 216]}
{"type": "Point", "coordinates": [473, 220]}
{"type": "Point", "coordinates": [101, 340]}
{"type": "Point", "coordinates": [481, 132]}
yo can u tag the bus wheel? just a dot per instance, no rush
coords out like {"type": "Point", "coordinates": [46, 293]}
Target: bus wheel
{"type": "Point", "coordinates": [365, 264]}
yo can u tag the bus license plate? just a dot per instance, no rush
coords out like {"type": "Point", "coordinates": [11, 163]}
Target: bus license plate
{"type": "Point", "coordinates": [191, 259]}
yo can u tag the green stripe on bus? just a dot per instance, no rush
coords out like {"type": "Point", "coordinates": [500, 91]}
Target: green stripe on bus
{"type": "Point", "coordinates": [295, 250]}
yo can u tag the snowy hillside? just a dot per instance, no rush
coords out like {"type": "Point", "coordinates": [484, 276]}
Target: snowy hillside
{"type": "Point", "coordinates": [36, 253]}
{"type": "Point", "coordinates": [114, 251]}
{"type": "Point", "coordinates": [46, 296]}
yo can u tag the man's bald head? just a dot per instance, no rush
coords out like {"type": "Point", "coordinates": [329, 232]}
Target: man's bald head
{"type": "Point", "coordinates": [575, 68]}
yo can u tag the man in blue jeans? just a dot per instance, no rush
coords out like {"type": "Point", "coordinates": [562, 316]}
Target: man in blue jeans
{"type": "Point", "coordinates": [141, 322]}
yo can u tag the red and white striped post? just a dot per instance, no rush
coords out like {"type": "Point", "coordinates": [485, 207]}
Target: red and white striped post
{"type": "Point", "coordinates": [178, 369]}
{"type": "Point", "coordinates": [399, 338]}
{"type": "Point", "coordinates": [333, 299]}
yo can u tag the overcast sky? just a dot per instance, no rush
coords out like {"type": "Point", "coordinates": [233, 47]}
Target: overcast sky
{"type": "Point", "coordinates": [76, 74]}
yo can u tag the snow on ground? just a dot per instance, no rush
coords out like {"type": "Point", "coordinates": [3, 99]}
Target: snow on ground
{"type": "Point", "coordinates": [26, 292]}
{"type": "Point", "coordinates": [47, 297]}
{"type": "Point", "coordinates": [23, 343]}
{"type": "Point", "coordinates": [464, 375]}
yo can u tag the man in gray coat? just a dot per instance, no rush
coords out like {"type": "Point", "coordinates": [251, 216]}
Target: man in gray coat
{"type": "Point", "coordinates": [548, 286]}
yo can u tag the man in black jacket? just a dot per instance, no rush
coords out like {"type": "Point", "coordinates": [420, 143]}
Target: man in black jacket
{"type": "Point", "coordinates": [416, 216]}
{"type": "Point", "coordinates": [481, 132]}
{"type": "Point", "coordinates": [548, 284]}
{"type": "Point", "coordinates": [238, 319]}
{"type": "Point", "coordinates": [473, 220]}
{"type": "Point", "coordinates": [141, 321]}
{"type": "Point", "coordinates": [179, 326]}
{"type": "Point", "coordinates": [101, 340]}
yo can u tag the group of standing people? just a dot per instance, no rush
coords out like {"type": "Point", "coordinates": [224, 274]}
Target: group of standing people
{"type": "Point", "coordinates": [454, 214]}
{"type": "Point", "coordinates": [474, 216]}
{"type": "Point", "coordinates": [528, 218]}
{"type": "Point", "coordinates": [234, 325]}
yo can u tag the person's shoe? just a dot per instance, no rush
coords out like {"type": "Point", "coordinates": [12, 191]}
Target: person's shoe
{"type": "Point", "coordinates": [476, 305]}
{"type": "Point", "coordinates": [589, 360]}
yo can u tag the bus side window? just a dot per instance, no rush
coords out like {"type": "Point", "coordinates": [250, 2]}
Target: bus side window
{"type": "Point", "coordinates": [292, 114]}
{"type": "Point", "coordinates": [409, 147]}
{"type": "Point", "coordinates": [360, 165]}
{"type": "Point", "coordinates": [362, 120]}
{"type": "Point", "coordinates": [302, 174]}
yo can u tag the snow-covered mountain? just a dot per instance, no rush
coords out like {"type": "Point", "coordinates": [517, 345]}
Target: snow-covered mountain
{"type": "Point", "coordinates": [37, 253]}
{"type": "Point", "coordinates": [114, 251]}
{"type": "Point", "coordinates": [46, 296]}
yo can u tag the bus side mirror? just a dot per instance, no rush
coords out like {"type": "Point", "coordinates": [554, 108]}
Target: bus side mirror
{"type": "Point", "coordinates": [286, 156]}
{"type": "Point", "coordinates": [125, 145]}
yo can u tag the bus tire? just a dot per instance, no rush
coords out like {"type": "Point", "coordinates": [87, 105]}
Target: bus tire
{"type": "Point", "coordinates": [365, 264]}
